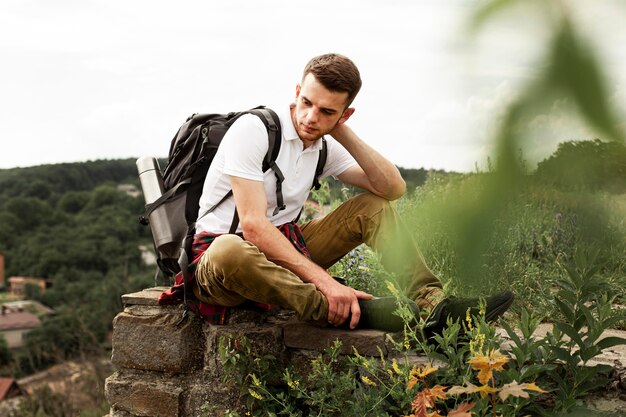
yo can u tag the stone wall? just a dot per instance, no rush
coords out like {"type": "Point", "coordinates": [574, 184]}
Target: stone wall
{"type": "Point", "coordinates": [168, 368]}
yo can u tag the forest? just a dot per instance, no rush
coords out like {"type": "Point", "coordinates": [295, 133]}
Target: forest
{"type": "Point", "coordinates": [68, 223]}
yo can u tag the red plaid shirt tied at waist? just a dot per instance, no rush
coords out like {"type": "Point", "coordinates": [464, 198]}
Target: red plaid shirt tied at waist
{"type": "Point", "coordinates": [215, 314]}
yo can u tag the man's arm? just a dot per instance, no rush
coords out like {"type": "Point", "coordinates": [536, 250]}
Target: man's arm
{"type": "Point", "coordinates": [251, 205]}
{"type": "Point", "coordinates": [374, 172]}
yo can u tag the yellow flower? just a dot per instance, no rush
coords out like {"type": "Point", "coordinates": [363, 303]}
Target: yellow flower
{"type": "Point", "coordinates": [477, 343]}
{"type": "Point", "coordinates": [255, 394]}
{"type": "Point", "coordinates": [468, 319]}
{"type": "Point", "coordinates": [486, 364]}
{"type": "Point", "coordinates": [396, 367]}
{"type": "Point", "coordinates": [411, 384]}
{"type": "Point", "coordinates": [368, 381]}
{"type": "Point", "coordinates": [256, 381]}
{"type": "Point", "coordinates": [407, 345]}
{"type": "Point", "coordinates": [422, 372]}
{"type": "Point", "coordinates": [483, 309]}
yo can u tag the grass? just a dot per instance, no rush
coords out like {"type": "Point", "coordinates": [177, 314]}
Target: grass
{"type": "Point", "coordinates": [538, 230]}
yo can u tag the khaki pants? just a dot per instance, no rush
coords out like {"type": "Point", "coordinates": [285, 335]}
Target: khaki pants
{"type": "Point", "coordinates": [233, 270]}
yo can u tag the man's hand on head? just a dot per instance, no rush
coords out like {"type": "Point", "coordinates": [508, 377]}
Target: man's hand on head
{"type": "Point", "coordinates": [340, 132]}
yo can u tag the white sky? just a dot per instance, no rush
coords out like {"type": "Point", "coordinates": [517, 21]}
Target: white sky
{"type": "Point", "coordinates": [104, 79]}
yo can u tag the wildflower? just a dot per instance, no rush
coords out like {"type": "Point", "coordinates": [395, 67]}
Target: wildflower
{"type": "Point", "coordinates": [396, 367]}
{"type": "Point", "coordinates": [255, 394]}
{"type": "Point", "coordinates": [422, 372]}
{"type": "Point", "coordinates": [468, 319]}
{"type": "Point", "coordinates": [486, 364]}
{"type": "Point", "coordinates": [483, 309]}
{"type": "Point", "coordinates": [256, 381]}
{"type": "Point", "coordinates": [368, 381]}
{"type": "Point", "coordinates": [477, 343]}
{"type": "Point", "coordinates": [382, 357]}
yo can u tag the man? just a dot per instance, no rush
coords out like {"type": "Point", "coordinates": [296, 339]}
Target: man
{"type": "Point", "coordinates": [270, 259]}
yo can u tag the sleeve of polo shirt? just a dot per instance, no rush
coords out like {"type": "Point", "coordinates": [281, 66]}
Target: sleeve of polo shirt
{"type": "Point", "coordinates": [245, 145]}
{"type": "Point", "coordinates": [338, 159]}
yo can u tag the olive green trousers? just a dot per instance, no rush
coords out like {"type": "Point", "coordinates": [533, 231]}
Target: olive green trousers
{"type": "Point", "coordinates": [233, 270]}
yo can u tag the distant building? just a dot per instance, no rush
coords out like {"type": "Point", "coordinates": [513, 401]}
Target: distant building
{"type": "Point", "coordinates": [14, 325]}
{"type": "Point", "coordinates": [9, 389]}
{"type": "Point", "coordinates": [30, 306]}
{"type": "Point", "coordinates": [17, 285]}
{"type": "Point", "coordinates": [129, 189]}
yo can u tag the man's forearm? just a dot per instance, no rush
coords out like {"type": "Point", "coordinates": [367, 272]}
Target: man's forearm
{"type": "Point", "coordinates": [277, 248]}
{"type": "Point", "coordinates": [383, 176]}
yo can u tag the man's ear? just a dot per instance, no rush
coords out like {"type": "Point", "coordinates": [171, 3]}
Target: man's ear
{"type": "Point", "coordinates": [346, 115]}
{"type": "Point", "coordinates": [297, 90]}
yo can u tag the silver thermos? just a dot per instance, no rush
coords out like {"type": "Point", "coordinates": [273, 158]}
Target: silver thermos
{"type": "Point", "coordinates": [168, 220]}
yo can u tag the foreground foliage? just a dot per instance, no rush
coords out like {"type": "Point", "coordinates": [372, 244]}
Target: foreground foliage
{"type": "Point", "coordinates": [470, 370]}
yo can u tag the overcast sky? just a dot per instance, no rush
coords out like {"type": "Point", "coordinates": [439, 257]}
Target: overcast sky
{"type": "Point", "coordinates": [105, 79]}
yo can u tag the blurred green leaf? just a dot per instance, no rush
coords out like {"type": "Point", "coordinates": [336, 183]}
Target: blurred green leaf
{"type": "Point", "coordinates": [486, 10]}
{"type": "Point", "coordinates": [574, 69]}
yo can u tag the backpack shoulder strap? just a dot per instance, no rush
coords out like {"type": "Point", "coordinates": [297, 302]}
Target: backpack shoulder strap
{"type": "Point", "coordinates": [272, 123]}
{"type": "Point", "coordinates": [321, 161]}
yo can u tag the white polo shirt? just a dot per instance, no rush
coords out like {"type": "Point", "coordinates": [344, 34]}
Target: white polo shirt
{"type": "Point", "coordinates": [241, 154]}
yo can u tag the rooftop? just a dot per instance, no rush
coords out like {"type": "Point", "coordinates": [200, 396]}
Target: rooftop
{"type": "Point", "coordinates": [18, 320]}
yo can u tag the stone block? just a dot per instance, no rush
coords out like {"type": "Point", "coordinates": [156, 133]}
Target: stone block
{"type": "Point", "coordinates": [301, 361]}
{"type": "Point", "coordinates": [265, 340]}
{"type": "Point", "coordinates": [300, 335]}
{"type": "Point", "coordinates": [148, 297]}
{"type": "Point", "coordinates": [211, 399]}
{"type": "Point", "coordinates": [157, 342]}
{"type": "Point", "coordinates": [143, 395]}
{"type": "Point", "coordinates": [116, 412]}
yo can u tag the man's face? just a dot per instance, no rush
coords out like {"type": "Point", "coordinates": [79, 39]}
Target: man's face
{"type": "Point", "coordinates": [317, 110]}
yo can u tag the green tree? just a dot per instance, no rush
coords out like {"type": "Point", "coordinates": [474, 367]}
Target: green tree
{"type": "Point", "coordinates": [30, 212]}
{"type": "Point", "coordinates": [591, 165]}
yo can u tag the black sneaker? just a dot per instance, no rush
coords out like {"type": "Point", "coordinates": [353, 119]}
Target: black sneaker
{"type": "Point", "coordinates": [378, 313]}
{"type": "Point", "coordinates": [456, 309]}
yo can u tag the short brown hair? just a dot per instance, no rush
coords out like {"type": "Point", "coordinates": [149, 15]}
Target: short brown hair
{"type": "Point", "coordinates": [336, 73]}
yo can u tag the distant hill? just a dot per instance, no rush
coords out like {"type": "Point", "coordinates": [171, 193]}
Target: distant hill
{"type": "Point", "coordinates": [42, 181]}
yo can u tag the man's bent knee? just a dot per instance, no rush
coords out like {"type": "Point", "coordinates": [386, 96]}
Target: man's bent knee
{"type": "Point", "coordinates": [371, 203]}
{"type": "Point", "coordinates": [227, 252]}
